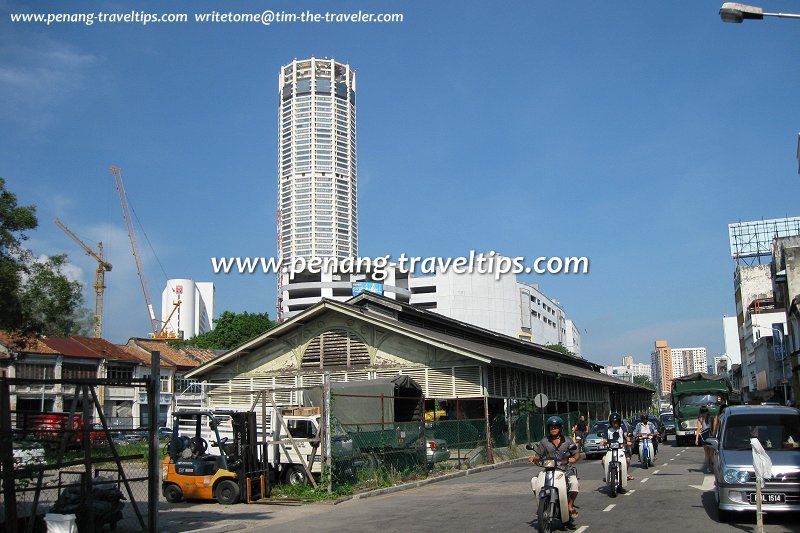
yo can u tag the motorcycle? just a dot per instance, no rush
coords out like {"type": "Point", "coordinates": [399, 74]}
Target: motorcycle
{"type": "Point", "coordinates": [616, 471]}
{"type": "Point", "coordinates": [551, 487]}
{"type": "Point", "coordinates": [646, 450]}
{"type": "Point", "coordinates": [578, 441]}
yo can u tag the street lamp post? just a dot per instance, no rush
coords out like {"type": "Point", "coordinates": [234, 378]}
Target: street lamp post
{"type": "Point", "coordinates": [736, 13]}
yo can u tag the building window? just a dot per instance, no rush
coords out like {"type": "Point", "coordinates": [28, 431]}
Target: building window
{"type": "Point", "coordinates": [78, 372]}
{"type": "Point", "coordinates": [119, 373]}
{"type": "Point", "coordinates": [33, 371]}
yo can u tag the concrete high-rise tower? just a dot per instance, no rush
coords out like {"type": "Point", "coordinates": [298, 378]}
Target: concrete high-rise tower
{"type": "Point", "coordinates": [661, 368]}
{"type": "Point", "coordinates": [317, 182]}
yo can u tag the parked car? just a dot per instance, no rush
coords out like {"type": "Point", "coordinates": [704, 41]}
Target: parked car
{"type": "Point", "coordinates": [668, 419]}
{"type": "Point", "coordinates": [164, 433]}
{"type": "Point", "coordinates": [436, 451]}
{"type": "Point", "coordinates": [136, 436]}
{"type": "Point", "coordinates": [778, 430]}
{"type": "Point", "coordinates": [592, 446]}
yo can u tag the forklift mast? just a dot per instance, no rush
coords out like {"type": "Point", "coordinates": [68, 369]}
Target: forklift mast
{"type": "Point", "coordinates": [252, 471]}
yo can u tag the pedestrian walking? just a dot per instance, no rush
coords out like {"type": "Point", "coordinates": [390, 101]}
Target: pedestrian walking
{"type": "Point", "coordinates": [704, 432]}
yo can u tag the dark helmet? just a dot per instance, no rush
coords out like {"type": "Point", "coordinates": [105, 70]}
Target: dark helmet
{"type": "Point", "coordinates": [644, 417]}
{"type": "Point", "coordinates": [615, 417]}
{"type": "Point", "coordinates": [555, 421]}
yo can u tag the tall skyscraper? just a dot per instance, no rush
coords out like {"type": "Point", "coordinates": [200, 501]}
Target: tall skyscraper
{"type": "Point", "coordinates": [317, 185]}
{"type": "Point", "coordinates": [317, 182]}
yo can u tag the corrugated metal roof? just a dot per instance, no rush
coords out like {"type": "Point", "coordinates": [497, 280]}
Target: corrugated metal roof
{"type": "Point", "coordinates": [30, 344]}
{"type": "Point", "coordinates": [494, 347]}
{"type": "Point", "coordinates": [569, 366]}
{"type": "Point", "coordinates": [107, 349]}
{"type": "Point", "coordinates": [168, 353]}
{"type": "Point", "coordinates": [202, 355]}
{"type": "Point", "coordinates": [69, 347]}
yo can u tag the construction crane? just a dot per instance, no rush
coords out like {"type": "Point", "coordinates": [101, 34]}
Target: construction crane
{"type": "Point", "coordinates": [103, 266]}
{"type": "Point", "coordinates": [157, 330]}
{"type": "Point", "coordinates": [163, 333]}
{"type": "Point", "coordinates": [116, 172]}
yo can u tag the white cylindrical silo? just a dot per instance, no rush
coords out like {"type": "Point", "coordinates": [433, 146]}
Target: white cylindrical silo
{"type": "Point", "coordinates": [182, 322]}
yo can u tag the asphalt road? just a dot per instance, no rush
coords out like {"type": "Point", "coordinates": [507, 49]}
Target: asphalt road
{"type": "Point", "coordinates": [673, 495]}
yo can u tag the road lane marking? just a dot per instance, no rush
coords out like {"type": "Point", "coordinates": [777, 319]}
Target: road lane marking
{"type": "Point", "coordinates": [672, 459]}
{"type": "Point", "coordinates": [629, 492]}
{"type": "Point", "coordinates": [708, 483]}
{"type": "Point", "coordinates": [581, 529]}
{"type": "Point", "coordinates": [677, 455]}
{"type": "Point", "coordinates": [644, 480]}
{"type": "Point", "coordinates": [656, 472]}
{"type": "Point", "coordinates": [665, 464]}
{"type": "Point", "coordinates": [607, 509]}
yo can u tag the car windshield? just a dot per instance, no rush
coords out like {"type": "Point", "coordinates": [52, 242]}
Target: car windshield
{"type": "Point", "coordinates": [774, 431]}
{"type": "Point", "coordinates": [667, 419]}
{"type": "Point", "coordinates": [599, 428]}
{"type": "Point", "coordinates": [699, 399]}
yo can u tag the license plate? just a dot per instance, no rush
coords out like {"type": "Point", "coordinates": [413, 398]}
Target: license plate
{"type": "Point", "coordinates": [768, 497]}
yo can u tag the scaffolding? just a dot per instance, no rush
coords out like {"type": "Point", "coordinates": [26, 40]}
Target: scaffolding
{"type": "Point", "coordinates": [751, 242]}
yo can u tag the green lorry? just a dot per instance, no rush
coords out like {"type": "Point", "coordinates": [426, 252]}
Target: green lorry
{"type": "Point", "coordinates": [689, 394]}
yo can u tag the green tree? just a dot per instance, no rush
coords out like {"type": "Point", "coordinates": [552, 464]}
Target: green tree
{"type": "Point", "coordinates": [35, 296]}
{"type": "Point", "coordinates": [559, 348]}
{"type": "Point", "coordinates": [231, 330]}
{"type": "Point", "coordinates": [14, 220]}
{"type": "Point", "coordinates": [644, 381]}
{"type": "Point", "coordinates": [51, 303]}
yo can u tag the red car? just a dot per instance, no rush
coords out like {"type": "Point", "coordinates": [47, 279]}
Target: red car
{"type": "Point", "coordinates": [50, 427]}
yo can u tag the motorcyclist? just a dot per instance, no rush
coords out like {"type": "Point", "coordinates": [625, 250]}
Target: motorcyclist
{"type": "Point", "coordinates": [556, 445]}
{"type": "Point", "coordinates": [645, 428]}
{"type": "Point", "coordinates": [615, 426]}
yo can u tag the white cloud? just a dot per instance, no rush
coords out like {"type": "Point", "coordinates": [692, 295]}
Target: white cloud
{"type": "Point", "coordinates": [37, 77]}
{"type": "Point", "coordinates": [124, 311]}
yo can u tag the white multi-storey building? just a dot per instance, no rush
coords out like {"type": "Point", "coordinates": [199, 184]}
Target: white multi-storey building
{"type": "Point", "coordinates": [503, 305]}
{"type": "Point", "coordinates": [730, 331]}
{"type": "Point", "coordinates": [629, 369]}
{"type": "Point", "coordinates": [187, 308]}
{"type": "Point", "coordinates": [688, 360]}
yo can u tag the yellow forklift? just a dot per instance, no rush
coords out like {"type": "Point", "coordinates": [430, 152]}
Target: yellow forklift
{"type": "Point", "coordinates": [236, 473]}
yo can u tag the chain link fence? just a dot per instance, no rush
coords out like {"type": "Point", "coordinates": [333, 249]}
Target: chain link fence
{"type": "Point", "coordinates": [387, 451]}
{"type": "Point", "coordinates": [71, 462]}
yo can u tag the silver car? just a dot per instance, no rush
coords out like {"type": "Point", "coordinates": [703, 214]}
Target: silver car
{"type": "Point", "coordinates": [592, 446]}
{"type": "Point", "coordinates": [778, 430]}
{"type": "Point", "coordinates": [436, 451]}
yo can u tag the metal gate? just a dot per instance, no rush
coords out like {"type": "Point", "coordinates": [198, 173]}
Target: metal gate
{"type": "Point", "coordinates": [76, 461]}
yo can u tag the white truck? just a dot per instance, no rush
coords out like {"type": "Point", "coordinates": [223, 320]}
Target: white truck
{"type": "Point", "coordinates": [371, 421]}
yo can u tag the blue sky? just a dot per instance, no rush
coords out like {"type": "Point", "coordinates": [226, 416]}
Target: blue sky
{"type": "Point", "coordinates": [628, 132]}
